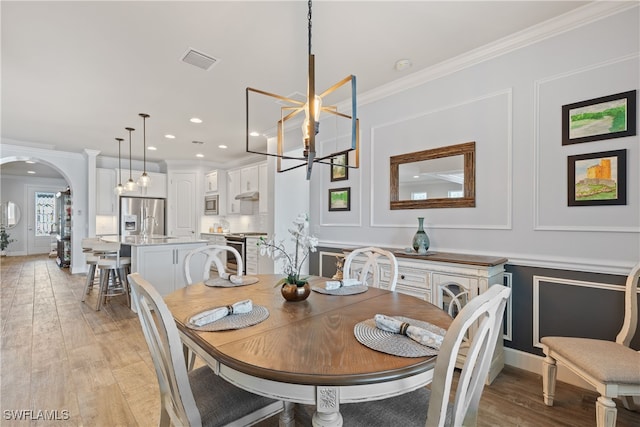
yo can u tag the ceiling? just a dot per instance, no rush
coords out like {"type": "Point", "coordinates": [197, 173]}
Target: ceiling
{"type": "Point", "coordinates": [75, 74]}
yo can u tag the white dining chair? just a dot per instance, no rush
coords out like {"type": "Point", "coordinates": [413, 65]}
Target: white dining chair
{"type": "Point", "coordinates": [432, 407]}
{"type": "Point", "coordinates": [213, 254]}
{"type": "Point", "coordinates": [370, 272]}
{"type": "Point", "coordinates": [195, 398]}
{"type": "Point", "coordinates": [611, 367]}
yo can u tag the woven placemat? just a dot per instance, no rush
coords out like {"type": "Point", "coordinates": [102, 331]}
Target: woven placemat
{"type": "Point", "coordinates": [232, 321]}
{"type": "Point", "coordinates": [345, 290]}
{"type": "Point", "coordinates": [219, 282]}
{"type": "Point", "coordinates": [368, 334]}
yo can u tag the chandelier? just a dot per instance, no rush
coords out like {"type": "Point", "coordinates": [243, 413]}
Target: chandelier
{"type": "Point", "coordinates": [144, 179]}
{"type": "Point", "coordinates": [314, 111]}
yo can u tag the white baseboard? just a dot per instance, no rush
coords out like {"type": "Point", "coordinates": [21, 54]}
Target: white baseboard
{"type": "Point", "coordinates": [533, 363]}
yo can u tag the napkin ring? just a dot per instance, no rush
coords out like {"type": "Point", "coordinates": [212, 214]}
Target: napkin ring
{"type": "Point", "coordinates": [230, 309]}
{"type": "Point", "coordinates": [403, 328]}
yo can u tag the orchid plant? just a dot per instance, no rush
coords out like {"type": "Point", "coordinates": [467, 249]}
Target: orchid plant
{"type": "Point", "coordinates": [304, 244]}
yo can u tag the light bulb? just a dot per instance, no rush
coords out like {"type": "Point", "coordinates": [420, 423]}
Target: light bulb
{"type": "Point", "coordinates": [144, 180]}
{"type": "Point", "coordinates": [119, 189]}
{"type": "Point", "coordinates": [130, 185]}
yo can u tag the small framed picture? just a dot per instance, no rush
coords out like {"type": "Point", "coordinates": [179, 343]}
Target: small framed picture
{"type": "Point", "coordinates": [340, 199]}
{"type": "Point", "coordinates": [612, 116]}
{"type": "Point", "coordinates": [339, 171]}
{"type": "Point", "coordinates": [598, 179]}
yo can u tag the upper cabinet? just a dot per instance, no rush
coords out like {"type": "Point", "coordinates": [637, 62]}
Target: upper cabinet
{"type": "Point", "coordinates": [233, 183]}
{"type": "Point", "coordinates": [263, 205]}
{"type": "Point", "coordinates": [249, 179]}
{"type": "Point", "coordinates": [211, 182]}
{"type": "Point", "coordinates": [105, 196]}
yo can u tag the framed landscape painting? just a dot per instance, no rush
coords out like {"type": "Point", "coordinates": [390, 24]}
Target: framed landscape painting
{"type": "Point", "coordinates": [339, 171]}
{"type": "Point", "coordinates": [340, 199]}
{"type": "Point", "coordinates": [598, 179]}
{"type": "Point", "coordinates": [612, 116]}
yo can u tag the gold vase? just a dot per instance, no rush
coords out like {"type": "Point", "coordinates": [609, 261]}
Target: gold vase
{"type": "Point", "coordinates": [292, 292]}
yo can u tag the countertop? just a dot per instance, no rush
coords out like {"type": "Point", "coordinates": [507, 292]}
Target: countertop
{"type": "Point", "coordinates": [152, 240]}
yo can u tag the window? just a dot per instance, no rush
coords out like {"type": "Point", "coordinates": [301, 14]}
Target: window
{"type": "Point", "coordinates": [454, 194]}
{"type": "Point", "coordinates": [45, 213]}
{"type": "Point", "coordinates": [419, 195]}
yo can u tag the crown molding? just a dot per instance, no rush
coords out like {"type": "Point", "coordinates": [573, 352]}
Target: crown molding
{"type": "Point", "coordinates": [569, 21]}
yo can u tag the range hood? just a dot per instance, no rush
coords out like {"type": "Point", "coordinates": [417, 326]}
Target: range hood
{"type": "Point", "coordinates": [249, 195]}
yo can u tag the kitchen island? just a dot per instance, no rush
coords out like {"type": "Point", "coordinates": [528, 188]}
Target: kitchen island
{"type": "Point", "coordinates": [160, 259]}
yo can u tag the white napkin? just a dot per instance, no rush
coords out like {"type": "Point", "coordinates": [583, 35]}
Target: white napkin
{"type": "Point", "coordinates": [211, 316]}
{"type": "Point", "coordinates": [236, 280]}
{"type": "Point", "coordinates": [336, 284]}
{"type": "Point", "coordinates": [416, 333]}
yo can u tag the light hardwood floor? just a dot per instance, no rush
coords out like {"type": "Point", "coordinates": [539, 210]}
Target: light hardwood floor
{"type": "Point", "coordinates": [58, 354]}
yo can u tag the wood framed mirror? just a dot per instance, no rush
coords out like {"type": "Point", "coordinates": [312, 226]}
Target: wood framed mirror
{"type": "Point", "coordinates": [442, 177]}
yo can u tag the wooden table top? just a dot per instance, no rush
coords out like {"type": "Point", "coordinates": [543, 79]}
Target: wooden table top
{"type": "Point", "coordinates": [309, 342]}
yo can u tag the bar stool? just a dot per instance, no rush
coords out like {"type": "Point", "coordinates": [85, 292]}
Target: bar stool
{"type": "Point", "coordinates": [92, 261]}
{"type": "Point", "coordinates": [113, 272]}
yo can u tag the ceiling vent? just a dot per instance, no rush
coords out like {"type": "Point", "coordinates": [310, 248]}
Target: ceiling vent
{"type": "Point", "coordinates": [199, 59]}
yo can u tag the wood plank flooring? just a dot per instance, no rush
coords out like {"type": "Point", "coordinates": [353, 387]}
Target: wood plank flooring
{"type": "Point", "coordinates": [72, 366]}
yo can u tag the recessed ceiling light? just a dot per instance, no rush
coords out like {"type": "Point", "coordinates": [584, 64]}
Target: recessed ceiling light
{"type": "Point", "coordinates": [151, 148]}
{"type": "Point", "coordinates": [199, 155]}
{"type": "Point", "coordinates": [403, 64]}
{"type": "Point", "coordinates": [254, 133]}
{"type": "Point", "coordinates": [31, 162]}
{"type": "Point", "coordinates": [222, 146]}
{"type": "Point", "coordinates": [169, 136]}
{"type": "Point", "coordinates": [31, 172]}
{"type": "Point", "coordinates": [195, 120]}
{"type": "Point", "coordinates": [416, 176]}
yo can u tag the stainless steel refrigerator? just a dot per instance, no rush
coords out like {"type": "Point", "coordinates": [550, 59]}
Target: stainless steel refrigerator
{"type": "Point", "coordinates": [142, 215]}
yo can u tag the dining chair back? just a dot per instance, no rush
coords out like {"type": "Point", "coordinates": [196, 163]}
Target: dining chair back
{"type": "Point", "coordinates": [199, 397]}
{"type": "Point", "coordinates": [213, 254]}
{"type": "Point", "coordinates": [371, 270]}
{"type": "Point", "coordinates": [611, 367]}
{"type": "Point", "coordinates": [484, 313]}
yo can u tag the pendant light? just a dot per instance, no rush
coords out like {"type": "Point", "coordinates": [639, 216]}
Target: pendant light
{"type": "Point", "coordinates": [312, 109]}
{"type": "Point", "coordinates": [119, 188]}
{"type": "Point", "coordinates": [144, 179]}
{"type": "Point", "coordinates": [130, 185]}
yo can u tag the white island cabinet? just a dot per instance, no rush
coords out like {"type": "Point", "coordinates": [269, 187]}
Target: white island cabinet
{"type": "Point", "coordinates": [162, 263]}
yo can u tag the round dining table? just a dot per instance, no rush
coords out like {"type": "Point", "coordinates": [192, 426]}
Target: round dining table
{"type": "Point", "coordinates": [306, 351]}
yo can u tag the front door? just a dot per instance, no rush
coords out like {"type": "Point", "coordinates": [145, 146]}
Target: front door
{"type": "Point", "coordinates": [38, 241]}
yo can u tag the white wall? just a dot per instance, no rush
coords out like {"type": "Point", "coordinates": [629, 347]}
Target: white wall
{"type": "Point", "coordinates": [510, 105]}
{"type": "Point", "coordinates": [73, 167]}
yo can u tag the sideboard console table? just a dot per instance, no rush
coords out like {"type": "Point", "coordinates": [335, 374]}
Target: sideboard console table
{"type": "Point", "coordinates": [446, 279]}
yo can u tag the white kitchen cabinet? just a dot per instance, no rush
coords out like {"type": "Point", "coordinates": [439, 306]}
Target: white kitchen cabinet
{"type": "Point", "coordinates": [184, 209]}
{"type": "Point", "coordinates": [426, 276]}
{"type": "Point", "coordinates": [234, 185]}
{"type": "Point", "coordinates": [211, 182]}
{"type": "Point", "coordinates": [163, 265]}
{"type": "Point", "coordinates": [254, 262]}
{"type": "Point", "coordinates": [249, 179]}
{"type": "Point", "coordinates": [105, 197]}
{"type": "Point", "coordinates": [263, 189]}
{"type": "Point", "coordinates": [157, 186]}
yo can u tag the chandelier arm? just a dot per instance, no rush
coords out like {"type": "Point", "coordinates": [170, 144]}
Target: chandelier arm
{"type": "Point", "coordinates": [337, 85]}
{"type": "Point", "coordinates": [273, 95]}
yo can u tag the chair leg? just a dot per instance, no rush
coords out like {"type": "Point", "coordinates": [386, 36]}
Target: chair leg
{"type": "Point", "coordinates": [104, 285]}
{"type": "Point", "coordinates": [90, 279]}
{"type": "Point", "coordinates": [606, 412]}
{"type": "Point", "coordinates": [549, 371]}
{"type": "Point", "coordinates": [122, 273]}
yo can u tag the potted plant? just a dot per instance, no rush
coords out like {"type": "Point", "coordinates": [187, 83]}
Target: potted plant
{"type": "Point", "coordinates": [4, 240]}
{"type": "Point", "coordinates": [294, 287]}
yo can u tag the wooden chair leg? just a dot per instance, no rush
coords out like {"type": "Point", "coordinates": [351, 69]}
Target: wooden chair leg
{"type": "Point", "coordinates": [549, 372]}
{"type": "Point", "coordinates": [606, 412]}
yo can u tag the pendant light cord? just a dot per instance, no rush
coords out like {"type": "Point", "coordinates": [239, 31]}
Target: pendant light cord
{"type": "Point", "coordinates": [119, 161]}
{"type": "Point", "coordinates": [309, 31]}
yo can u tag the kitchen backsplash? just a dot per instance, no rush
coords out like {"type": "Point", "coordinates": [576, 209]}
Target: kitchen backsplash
{"type": "Point", "coordinates": [237, 223]}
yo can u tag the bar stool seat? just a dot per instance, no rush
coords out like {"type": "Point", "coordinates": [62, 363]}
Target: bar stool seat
{"type": "Point", "coordinates": [113, 272]}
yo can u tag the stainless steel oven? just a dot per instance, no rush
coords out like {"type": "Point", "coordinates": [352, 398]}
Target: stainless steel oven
{"type": "Point", "coordinates": [236, 241]}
